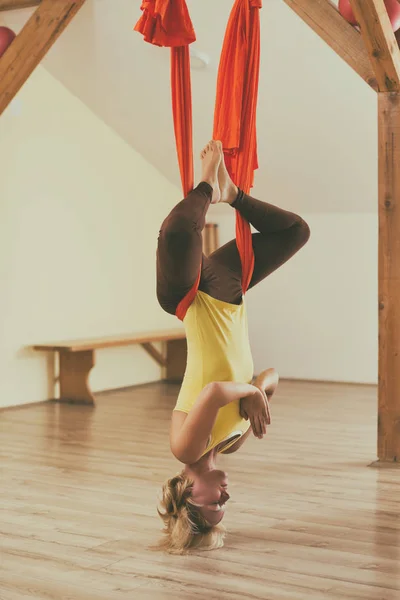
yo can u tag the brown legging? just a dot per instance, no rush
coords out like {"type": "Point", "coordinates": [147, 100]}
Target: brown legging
{"type": "Point", "coordinates": [179, 254]}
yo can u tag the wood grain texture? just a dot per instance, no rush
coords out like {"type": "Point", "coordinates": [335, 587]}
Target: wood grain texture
{"type": "Point", "coordinates": [176, 360]}
{"type": "Point", "coordinates": [155, 354]}
{"type": "Point", "coordinates": [389, 277]}
{"type": "Point", "coordinates": [210, 238]}
{"type": "Point", "coordinates": [307, 518]}
{"type": "Point", "coordinates": [380, 41]}
{"type": "Point", "coordinates": [76, 359]}
{"type": "Point", "coordinates": [323, 17]}
{"type": "Point", "coordinates": [32, 43]}
{"type": "Point", "coordinates": [142, 337]}
{"type": "Point", "coordinates": [75, 369]}
{"type": "Point", "coordinates": [14, 4]}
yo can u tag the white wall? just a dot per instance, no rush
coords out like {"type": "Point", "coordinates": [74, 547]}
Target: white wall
{"type": "Point", "coordinates": [318, 154]}
{"type": "Point", "coordinates": [79, 217]}
{"type": "Point", "coordinates": [316, 118]}
{"type": "Point", "coordinates": [316, 317]}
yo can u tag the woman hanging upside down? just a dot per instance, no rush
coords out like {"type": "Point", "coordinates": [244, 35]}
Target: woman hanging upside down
{"type": "Point", "coordinates": [217, 407]}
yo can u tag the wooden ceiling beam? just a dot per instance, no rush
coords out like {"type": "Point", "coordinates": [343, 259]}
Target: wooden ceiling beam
{"type": "Point", "coordinates": [380, 41]}
{"type": "Point", "coordinates": [32, 44]}
{"type": "Point", "coordinates": [14, 4]}
{"type": "Point", "coordinates": [323, 18]}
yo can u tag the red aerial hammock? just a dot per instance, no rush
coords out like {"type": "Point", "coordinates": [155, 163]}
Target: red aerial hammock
{"type": "Point", "coordinates": [167, 23]}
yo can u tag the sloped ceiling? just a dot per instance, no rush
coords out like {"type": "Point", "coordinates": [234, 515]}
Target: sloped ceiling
{"type": "Point", "coordinates": [317, 118]}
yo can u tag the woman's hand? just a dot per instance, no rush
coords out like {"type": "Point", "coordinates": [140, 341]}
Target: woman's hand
{"type": "Point", "coordinates": [225, 392]}
{"type": "Point", "coordinates": [255, 408]}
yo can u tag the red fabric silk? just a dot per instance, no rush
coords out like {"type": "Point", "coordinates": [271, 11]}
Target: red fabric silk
{"type": "Point", "coordinates": [182, 111]}
{"type": "Point", "coordinates": [236, 111]}
{"type": "Point", "coordinates": [183, 124]}
{"type": "Point", "coordinates": [167, 23]}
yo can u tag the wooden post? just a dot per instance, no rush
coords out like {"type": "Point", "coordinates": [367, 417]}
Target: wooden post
{"type": "Point", "coordinates": [210, 238]}
{"type": "Point", "coordinates": [176, 360]}
{"type": "Point", "coordinates": [31, 45]}
{"type": "Point", "coordinates": [389, 278]}
{"type": "Point", "coordinates": [380, 42]}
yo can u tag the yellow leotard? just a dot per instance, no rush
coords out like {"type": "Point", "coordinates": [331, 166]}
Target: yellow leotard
{"type": "Point", "coordinates": [218, 350]}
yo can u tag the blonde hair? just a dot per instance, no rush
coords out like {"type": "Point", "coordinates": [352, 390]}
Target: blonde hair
{"type": "Point", "coordinates": [185, 527]}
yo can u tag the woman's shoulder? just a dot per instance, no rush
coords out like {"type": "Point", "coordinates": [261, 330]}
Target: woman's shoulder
{"type": "Point", "coordinates": [177, 421]}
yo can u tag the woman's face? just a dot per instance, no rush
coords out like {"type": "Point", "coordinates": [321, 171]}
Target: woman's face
{"type": "Point", "coordinates": [209, 492]}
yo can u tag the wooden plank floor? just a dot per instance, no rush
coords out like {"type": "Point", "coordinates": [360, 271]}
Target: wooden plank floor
{"type": "Point", "coordinates": [308, 518]}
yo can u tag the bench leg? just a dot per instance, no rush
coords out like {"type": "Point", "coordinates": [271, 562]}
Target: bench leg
{"type": "Point", "coordinates": [74, 377]}
{"type": "Point", "coordinates": [176, 360]}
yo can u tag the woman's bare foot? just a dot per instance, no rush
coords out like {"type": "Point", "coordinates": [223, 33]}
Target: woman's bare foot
{"type": "Point", "coordinates": [211, 158]}
{"type": "Point", "coordinates": [268, 381]}
{"type": "Point", "coordinates": [229, 190]}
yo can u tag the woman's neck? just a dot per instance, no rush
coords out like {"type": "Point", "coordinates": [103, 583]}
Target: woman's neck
{"type": "Point", "coordinates": [204, 464]}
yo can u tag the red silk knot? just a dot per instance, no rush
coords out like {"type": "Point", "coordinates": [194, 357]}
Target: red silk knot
{"type": "Point", "coordinates": [166, 23]}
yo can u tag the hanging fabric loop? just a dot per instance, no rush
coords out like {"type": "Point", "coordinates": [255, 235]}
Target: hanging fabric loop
{"type": "Point", "coordinates": [167, 23]}
{"type": "Point", "coordinates": [236, 112]}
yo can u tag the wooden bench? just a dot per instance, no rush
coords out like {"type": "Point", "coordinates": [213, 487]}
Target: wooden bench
{"type": "Point", "coordinates": [77, 358]}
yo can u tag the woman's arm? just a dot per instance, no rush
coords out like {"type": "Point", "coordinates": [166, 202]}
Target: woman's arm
{"type": "Point", "coordinates": [267, 382]}
{"type": "Point", "coordinates": [189, 441]}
